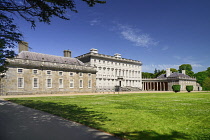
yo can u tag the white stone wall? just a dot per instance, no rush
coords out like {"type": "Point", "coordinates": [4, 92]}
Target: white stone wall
{"type": "Point", "coordinates": [110, 73]}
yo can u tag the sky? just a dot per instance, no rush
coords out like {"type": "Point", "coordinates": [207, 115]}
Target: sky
{"type": "Point", "coordinates": [159, 33]}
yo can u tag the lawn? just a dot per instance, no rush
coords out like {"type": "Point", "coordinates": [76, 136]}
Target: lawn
{"type": "Point", "coordinates": [138, 116]}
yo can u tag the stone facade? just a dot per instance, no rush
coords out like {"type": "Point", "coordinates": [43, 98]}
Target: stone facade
{"type": "Point", "coordinates": [35, 73]}
{"type": "Point", "coordinates": [113, 71]}
{"type": "Point", "coordinates": [165, 82]}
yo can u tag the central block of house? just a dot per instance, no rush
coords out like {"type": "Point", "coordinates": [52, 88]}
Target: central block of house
{"type": "Point", "coordinates": [114, 71]}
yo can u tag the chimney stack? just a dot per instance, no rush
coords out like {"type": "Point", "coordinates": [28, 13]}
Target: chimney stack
{"type": "Point", "coordinates": [93, 51]}
{"type": "Point", "coordinates": [168, 72]}
{"type": "Point", "coordinates": [67, 53]}
{"type": "Point", "coordinates": [183, 72]}
{"type": "Point", "coordinates": [23, 46]}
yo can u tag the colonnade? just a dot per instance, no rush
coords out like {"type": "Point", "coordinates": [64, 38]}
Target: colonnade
{"type": "Point", "coordinates": [155, 86]}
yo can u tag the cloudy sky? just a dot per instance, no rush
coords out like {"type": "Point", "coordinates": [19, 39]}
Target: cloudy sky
{"type": "Point", "coordinates": [160, 33]}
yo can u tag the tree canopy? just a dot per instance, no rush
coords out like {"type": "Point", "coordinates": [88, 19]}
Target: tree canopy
{"type": "Point", "coordinates": [187, 68]}
{"type": "Point", "coordinates": [32, 11]}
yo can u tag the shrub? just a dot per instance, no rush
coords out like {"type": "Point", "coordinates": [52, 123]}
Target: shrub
{"type": "Point", "coordinates": [189, 88]}
{"type": "Point", "coordinates": [176, 88]}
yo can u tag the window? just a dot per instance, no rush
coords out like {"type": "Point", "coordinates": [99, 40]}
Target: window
{"type": "Point", "coordinates": [48, 72]}
{"type": "Point", "coordinates": [49, 83]}
{"type": "Point", "coordinates": [71, 74]}
{"type": "Point", "coordinates": [89, 83]}
{"type": "Point", "coordinates": [35, 82]}
{"type": "Point", "coordinates": [80, 83]}
{"type": "Point", "coordinates": [60, 73]}
{"type": "Point", "coordinates": [20, 83]}
{"type": "Point", "coordinates": [60, 83]}
{"type": "Point", "coordinates": [89, 74]}
{"type": "Point", "coordinates": [80, 74]}
{"type": "Point", "coordinates": [71, 84]}
{"type": "Point", "coordinates": [35, 71]}
{"type": "Point", "coordinates": [19, 70]}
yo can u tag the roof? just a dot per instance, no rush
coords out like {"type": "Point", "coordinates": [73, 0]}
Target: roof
{"type": "Point", "coordinates": [175, 74]}
{"type": "Point", "coordinates": [49, 58]}
{"type": "Point", "coordinates": [108, 57]}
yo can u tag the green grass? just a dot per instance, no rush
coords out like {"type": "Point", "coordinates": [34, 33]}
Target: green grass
{"type": "Point", "coordinates": [139, 116]}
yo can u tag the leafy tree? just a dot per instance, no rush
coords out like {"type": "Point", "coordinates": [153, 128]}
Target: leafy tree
{"type": "Point", "coordinates": [147, 75]}
{"type": "Point", "coordinates": [206, 84]}
{"type": "Point", "coordinates": [155, 71]}
{"type": "Point", "coordinates": [159, 73]}
{"type": "Point", "coordinates": [200, 77]}
{"type": "Point", "coordinates": [208, 71]}
{"type": "Point", "coordinates": [31, 11]}
{"type": "Point", "coordinates": [190, 73]}
{"type": "Point", "coordinates": [187, 67]}
{"type": "Point", "coordinates": [173, 70]}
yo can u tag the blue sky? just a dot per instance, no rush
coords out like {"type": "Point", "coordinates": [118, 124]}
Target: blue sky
{"type": "Point", "coordinates": [160, 33]}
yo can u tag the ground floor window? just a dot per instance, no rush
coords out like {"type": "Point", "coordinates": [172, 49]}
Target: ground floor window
{"type": "Point", "coordinates": [89, 83]}
{"type": "Point", "coordinates": [49, 83]}
{"type": "Point", "coordinates": [60, 83]}
{"type": "Point", "coordinates": [20, 83]}
{"type": "Point", "coordinates": [80, 83]}
{"type": "Point", "coordinates": [71, 83]}
{"type": "Point", "coordinates": [35, 82]}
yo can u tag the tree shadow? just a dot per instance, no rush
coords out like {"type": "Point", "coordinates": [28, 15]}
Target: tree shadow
{"type": "Point", "coordinates": [71, 112]}
{"type": "Point", "coordinates": [151, 135]}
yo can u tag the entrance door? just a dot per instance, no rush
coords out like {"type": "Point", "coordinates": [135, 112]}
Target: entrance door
{"type": "Point", "coordinates": [120, 83]}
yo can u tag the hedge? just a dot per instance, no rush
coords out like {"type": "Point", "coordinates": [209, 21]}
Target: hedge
{"type": "Point", "coordinates": [189, 88]}
{"type": "Point", "coordinates": [176, 88]}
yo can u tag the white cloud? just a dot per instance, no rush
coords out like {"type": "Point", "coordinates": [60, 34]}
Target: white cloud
{"type": "Point", "coordinates": [165, 48]}
{"type": "Point", "coordinates": [152, 67]}
{"type": "Point", "coordinates": [188, 60]}
{"type": "Point", "coordinates": [95, 22]}
{"type": "Point", "coordinates": [135, 36]}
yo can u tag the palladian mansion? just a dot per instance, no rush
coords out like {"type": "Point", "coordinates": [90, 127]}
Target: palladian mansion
{"type": "Point", "coordinates": [37, 73]}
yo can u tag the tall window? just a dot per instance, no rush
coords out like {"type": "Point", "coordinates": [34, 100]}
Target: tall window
{"type": "Point", "coordinates": [60, 83]}
{"type": "Point", "coordinates": [80, 83]}
{"type": "Point", "coordinates": [35, 82]}
{"type": "Point", "coordinates": [49, 83]}
{"type": "Point", "coordinates": [20, 83]}
{"type": "Point", "coordinates": [89, 83]}
{"type": "Point", "coordinates": [71, 84]}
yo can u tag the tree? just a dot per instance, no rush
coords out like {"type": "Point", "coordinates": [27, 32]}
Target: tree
{"type": "Point", "coordinates": [173, 70]}
{"type": "Point", "coordinates": [155, 71]}
{"type": "Point", "coordinates": [206, 84]}
{"type": "Point", "coordinates": [31, 11]}
{"type": "Point", "coordinates": [147, 75]}
{"type": "Point", "coordinates": [200, 77]}
{"type": "Point", "coordinates": [208, 71]}
{"type": "Point", "coordinates": [187, 68]}
{"type": "Point", "coordinates": [159, 72]}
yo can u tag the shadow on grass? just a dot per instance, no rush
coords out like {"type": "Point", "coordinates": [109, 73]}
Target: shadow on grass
{"type": "Point", "coordinates": [151, 135]}
{"type": "Point", "coordinates": [71, 112]}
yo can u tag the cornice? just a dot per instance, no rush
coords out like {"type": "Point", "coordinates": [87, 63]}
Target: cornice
{"type": "Point", "coordinates": [108, 57]}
